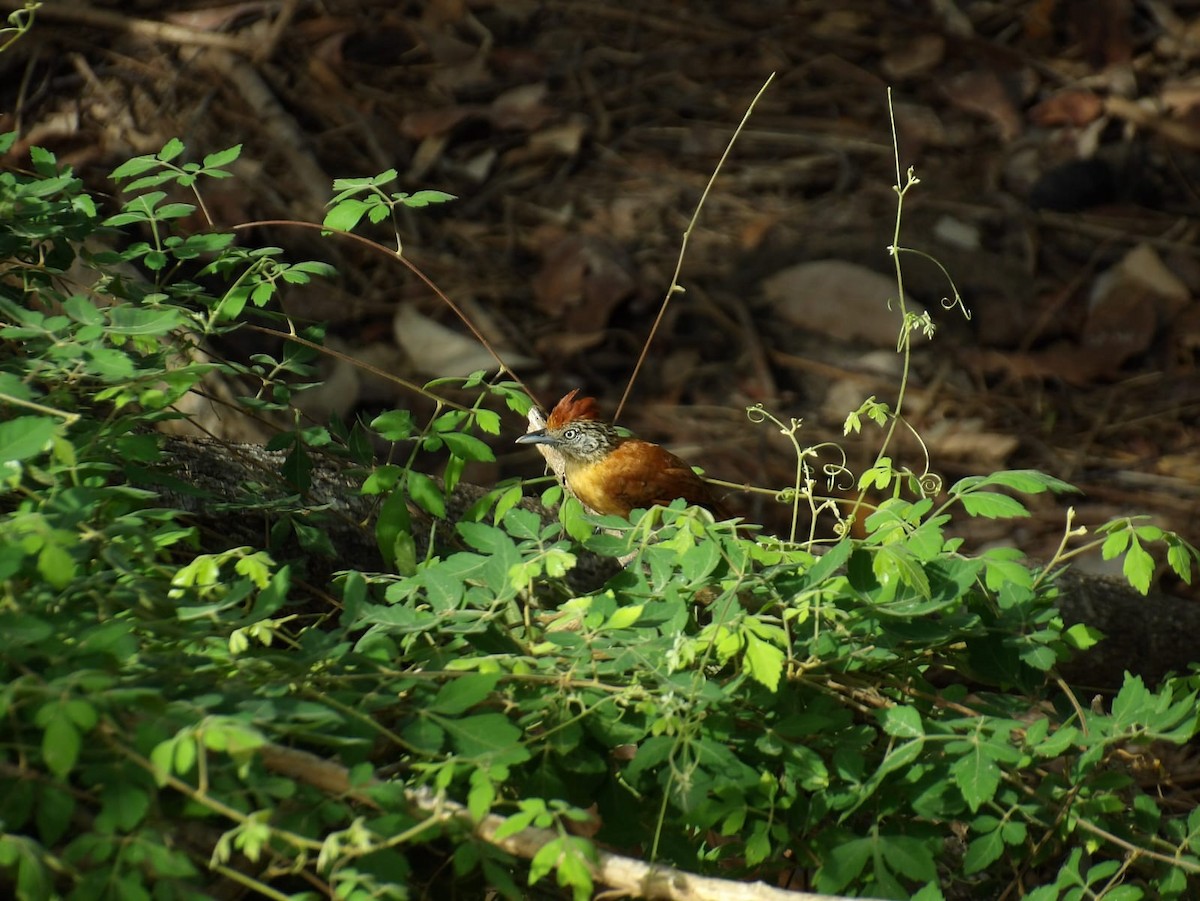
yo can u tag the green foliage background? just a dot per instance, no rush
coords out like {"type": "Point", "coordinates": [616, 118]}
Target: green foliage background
{"type": "Point", "coordinates": [880, 719]}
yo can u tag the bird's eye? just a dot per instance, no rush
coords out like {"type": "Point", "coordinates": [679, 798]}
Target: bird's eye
{"type": "Point", "coordinates": [570, 434]}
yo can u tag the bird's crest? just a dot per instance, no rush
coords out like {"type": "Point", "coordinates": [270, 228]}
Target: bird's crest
{"type": "Point", "coordinates": [570, 409]}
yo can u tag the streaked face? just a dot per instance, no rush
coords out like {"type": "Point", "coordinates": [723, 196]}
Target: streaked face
{"type": "Point", "coordinates": [579, 441]}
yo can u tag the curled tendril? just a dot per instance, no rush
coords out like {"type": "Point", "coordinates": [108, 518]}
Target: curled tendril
{"type": "Point", "coordinates": [931, 484]}
{"type": "Point", "coordinates": [787, 495]}
{"type": "Point", "coordinates": [832, 472]}
{"type": "Point", "coordinates": [757, 414]}
{"type": "Point", "coordinates": [949, 303]}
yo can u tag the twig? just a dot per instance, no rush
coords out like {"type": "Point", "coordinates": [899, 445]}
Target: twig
{"type": "Point", "coordinates": [148, 28]}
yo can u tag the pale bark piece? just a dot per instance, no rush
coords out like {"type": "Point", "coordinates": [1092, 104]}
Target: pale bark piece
{"type": "Point", "coordinates": [839, 299]}
{"type": "Point", "coordinates": [1130, 302]}
{"type": "Point", "coordinates": [438, 351]}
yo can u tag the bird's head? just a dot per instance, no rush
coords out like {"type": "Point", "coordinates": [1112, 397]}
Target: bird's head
{"type": "Point", "coordinates": [575, 430]}
{"type": "Point", "coordinates": [583, 441]}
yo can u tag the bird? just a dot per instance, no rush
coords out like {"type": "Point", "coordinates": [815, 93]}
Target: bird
{"type": "Point", "coordinates": [611, 473]}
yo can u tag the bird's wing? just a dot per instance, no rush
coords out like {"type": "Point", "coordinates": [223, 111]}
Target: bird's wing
{"type": "Point", "coordinates": [642, 474]}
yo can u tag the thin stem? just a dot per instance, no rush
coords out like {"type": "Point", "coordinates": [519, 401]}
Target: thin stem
{"type": "Point", "coordinates": [674, 287]}
{"type": "Point", "coordinates": [69, 418]}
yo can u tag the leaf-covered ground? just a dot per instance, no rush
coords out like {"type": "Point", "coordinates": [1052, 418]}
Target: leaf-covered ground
{"type": "Point", "coordinates": [1055, 143]}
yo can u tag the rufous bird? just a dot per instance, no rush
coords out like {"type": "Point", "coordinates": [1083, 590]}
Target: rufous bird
{"type": "Point", "coordinates": [613, 474]}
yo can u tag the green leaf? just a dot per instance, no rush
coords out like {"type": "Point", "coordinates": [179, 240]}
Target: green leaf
{"type": "Point", "coordinates": [426, 735]}
{"type": "Point", "coordinates": [1081, 636]}
{"type": "Point", "coordinates": [900, 756]}
{"type": "Point", "coordinates": [487, 539]}
{"type": "Point", "coordinates": [170, 150]}
{"type": "Point", "coordinates": [993, 506]}
{"type": "Point", "coordinates": [903, 722]}
{"type": "Point", "coordinates": [393, 534]}
{"type": "Point", "coordinates": [977, 776]}
{"type": "Point", "coordinates": [624, 617]}
{"type": "Point", "coordinates": [545, 860]}
{"type": "Point", "coordinates": [575, 522]}
{"type": "Point", "coordinates": [468, 447]}
{"type": "Point", "coordinates": [123, 806]}
{"type": "Point", "coordinates": [1179, 558]}
{"type": "Point", "coordinates": [763, 661]}
{"type": "Point", "coordinates": [481, 796]}
{"type": "Point", "coordinates": [909, 856]}
{"type": "Point", "coordinates": [426, 493]}
{"type": "Point", "coordinates": [82, 713]}
{"type": "Point", "coordinates": [1115, 544]}
{"type": "Point", "coordinates": [425, 198]}
{"type": "Point", "coordinates": [488, 735]}
{"type": "Point", "coordinates": [1138, 567]}
{"type": "Point", "coordinates": [382, 479]}
{"type": "Point", "coordinates": [830, 562]}
{"type": "Point", "coordinates": [982, 852]}
{"type": "Point", "coordinates": [1132, 702]}
{"type": "Point", "coordinates": [222, 157]}
{"type": "Point", "coordinates": [135, 166]}
{"type": "Point", "coordinates": [843, 863]}
{"type": "Point", "coordinates": [60, 745]}
{"type": "Point", "coordinates": [345, 215]}
{"type": "Point", "coordinates": [394, 425]}
{"type": "Point", "coordinates": [507, 501]}
{"type": "Point", "coordinates": [489, 421]}
{"type": "Point", "coordinates": [1026, 481]}
{"type": "Point", "coordinates": [26, 436]}
{"type": "Point", "coordinates": [56, 565]}
{"type": "Point", "coordinates": [930, 892]}
{"type": "Point", "coordinates": [461, 694]}
{"type": "Point", "coordinates": [175, 210]}
{"type": "Point", "coordinates": [758, 845]}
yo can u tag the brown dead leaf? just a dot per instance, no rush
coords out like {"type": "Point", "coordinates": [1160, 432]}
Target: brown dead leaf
{"type": "Point", "coordinates": [555, 141]}
{"type": "Point", "coordinates": [1180, 466]}
{"type": "Point", "coordinates": [965, 439]}
{"type": "Point", "coordinates": [521, 108]}
{"type": "Point", "coordinates": [216, 18]}
{"type": "Point", "coordinates": [422, 124]}
{"type": "Point", "coordinates": [757, 228]}
{"type": "Point", "coordinates": [839, 299]}
{"type": "Point", "coordinates": [440, 13]}
{"type": "Point", "coordinates": [1146, 114]}
{"type": "Point", "coordinates": [1072, 107]}
{"type": "Point", "coordinates": [563, 345]}
{"type": "Point", "coordinates": [1181, 98]}
{"type": "Point", "coordinates": [914, 56]}
{"type": "Point", "coordinates": [982, 93]}
{"type": "Point", "coordinates": [583, 278]}
{"type": "Point", "coordinates": [1079, 366]}
{"type": "Point", "coordinates": [560, 140]}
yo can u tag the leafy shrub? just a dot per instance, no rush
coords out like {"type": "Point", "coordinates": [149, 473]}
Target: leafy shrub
{"type": "Point", "coordinates": [883, 718]}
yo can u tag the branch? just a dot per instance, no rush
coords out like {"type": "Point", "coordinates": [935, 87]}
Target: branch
{"type": "Point", "coordinates": [632, 878]}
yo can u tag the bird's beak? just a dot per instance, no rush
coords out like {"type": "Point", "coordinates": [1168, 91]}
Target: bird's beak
{"type": "Point", "coordinates": [539, 436]}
